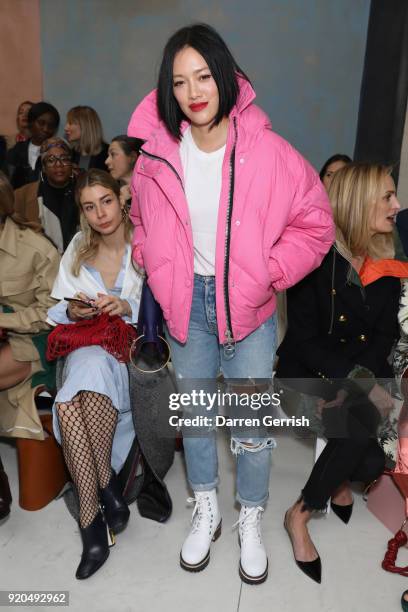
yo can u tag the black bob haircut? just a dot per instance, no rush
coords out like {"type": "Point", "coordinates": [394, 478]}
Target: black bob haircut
{"type": "Point", "coordinates": [223, 67]}
{"type": "Point", "coordinates": [40, 109]}
{"type": "Point", "coordinates": [334, 158]}
{"type": "Point", "coordinates": [128, 144]}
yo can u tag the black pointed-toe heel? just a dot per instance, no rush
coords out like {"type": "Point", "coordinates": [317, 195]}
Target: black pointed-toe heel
{"type": "Point", "coordinates": [343, 512]}
{"type": "Point", "coordinates": [95, 547]}
{"type": "Point", "coordinates": [312, 569]}
{"type": "Point", "coordinates": [115, 508]}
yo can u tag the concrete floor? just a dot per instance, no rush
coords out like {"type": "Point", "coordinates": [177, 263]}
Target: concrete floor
{"type": "Point", "coordinates": [41, 550]}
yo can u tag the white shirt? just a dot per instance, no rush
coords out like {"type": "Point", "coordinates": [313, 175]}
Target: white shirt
{"type": "Point", "coordinates": [33, 153]}
{"type": "Point", "coordinates": [202, 185]}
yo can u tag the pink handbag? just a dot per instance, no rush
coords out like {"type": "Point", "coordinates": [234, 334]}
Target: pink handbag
{"type": "Point", "coordinates": [386, 503]}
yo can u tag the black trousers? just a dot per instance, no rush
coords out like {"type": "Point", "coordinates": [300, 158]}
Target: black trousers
{"type": "Point", "coordinates": [351, 453]}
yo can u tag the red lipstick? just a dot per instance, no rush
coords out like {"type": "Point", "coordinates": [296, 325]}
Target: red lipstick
{"type": "Point", "coordinates": [198, 107]}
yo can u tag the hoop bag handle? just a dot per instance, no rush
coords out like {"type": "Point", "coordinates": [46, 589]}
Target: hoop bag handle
{"type": "Point", "coordinates": [150, 346]}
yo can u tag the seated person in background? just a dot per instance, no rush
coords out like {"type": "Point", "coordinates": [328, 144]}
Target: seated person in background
{"type": "Point", "coordinates": [342, 325]}
{"type": "Point", "coordinates": [83, 130]}
{"type": "Point", "coordinates": [334, 163]}
{"type": "Point", "coordinates": [3, 155]}
{"type": "Point", "coordinates": [23, 131]}
{"type": "Point", "coordinates": [49, 204]}
{"type": "Point", "coordinates": [400, 356]}
{"type": "Point", "coordinates": [23, 158]}
{"type": "Point", "coordinates": [28, 266]}
{"type": "Point", "coordinates": [122, 155]}
{"type": "Point", "coordinates": [402, 229]}
{"type": "Point", "coordinates": [92, 413]}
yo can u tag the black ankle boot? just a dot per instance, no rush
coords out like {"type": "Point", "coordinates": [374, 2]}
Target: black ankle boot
{"type": "Point", "coordinates": [95, 547]}
{"type": "Point", "coordinates": [115, 508]}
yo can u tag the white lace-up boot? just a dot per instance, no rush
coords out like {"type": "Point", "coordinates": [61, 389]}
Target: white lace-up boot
{"type": "Point", "coordinates": [253, 566]}
{"type": "Point", "coordinates": [205, 528]}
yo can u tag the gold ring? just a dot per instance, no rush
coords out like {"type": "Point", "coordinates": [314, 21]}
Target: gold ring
{"type": "Point", "coordinates": [148, 371]}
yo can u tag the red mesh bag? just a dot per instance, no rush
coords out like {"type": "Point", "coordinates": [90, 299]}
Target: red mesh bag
{"type": "Point", "coordinates": [111, 333]}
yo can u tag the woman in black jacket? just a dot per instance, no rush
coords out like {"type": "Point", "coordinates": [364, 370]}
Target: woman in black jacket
{"type": "Point", "coordinates": [342, 324]}
{"type": "Point", "coordinates": [49, 204]}
{"type": "Point", "coordinates": [24, 158]}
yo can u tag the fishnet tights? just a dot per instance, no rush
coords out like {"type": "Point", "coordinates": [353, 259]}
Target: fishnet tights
{"type": "Point", "coordinates": [87, 425]}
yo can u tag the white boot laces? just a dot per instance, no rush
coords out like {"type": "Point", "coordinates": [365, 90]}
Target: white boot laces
{"type": "Point", "coordinates": [199, 513]}
{"type": "Point", "coordinates": [250, 524]}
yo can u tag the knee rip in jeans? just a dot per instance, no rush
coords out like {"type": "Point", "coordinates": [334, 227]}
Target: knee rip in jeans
{"type": "Point", "coordinates": [247, 386]}
{"type": "Point", "coordinates": [239, 447]}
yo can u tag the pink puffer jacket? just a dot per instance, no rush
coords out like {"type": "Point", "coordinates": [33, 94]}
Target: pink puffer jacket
{"type": "Point", "coordinates": [274, 221]}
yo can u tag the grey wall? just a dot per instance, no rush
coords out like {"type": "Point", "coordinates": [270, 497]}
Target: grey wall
{"type": "Point", "coordinates": [403, 175]}
{"type": "Point", "coordinates": [304, 57]}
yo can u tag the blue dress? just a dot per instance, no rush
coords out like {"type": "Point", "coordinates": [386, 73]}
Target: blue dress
{"type": "Point", "coordinates": [91, 368]}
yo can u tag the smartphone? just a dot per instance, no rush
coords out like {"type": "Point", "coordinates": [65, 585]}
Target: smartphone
{"type": "Point", "coordinates": [80, 302]}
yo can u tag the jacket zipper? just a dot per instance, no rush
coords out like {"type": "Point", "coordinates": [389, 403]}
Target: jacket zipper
{"type": "Point", "coordinates": [164, 162]}
{"type": "Point", "coordinates": [229, 346]}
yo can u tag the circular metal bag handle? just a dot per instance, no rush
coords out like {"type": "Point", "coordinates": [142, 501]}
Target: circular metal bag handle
{"type": "Point", "coordinates": [149, 371]}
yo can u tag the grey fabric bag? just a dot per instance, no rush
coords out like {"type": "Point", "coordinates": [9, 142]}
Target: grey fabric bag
{"type": "Point", "coordinates": [152, 452]}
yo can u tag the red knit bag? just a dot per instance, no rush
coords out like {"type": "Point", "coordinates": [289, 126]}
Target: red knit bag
{"type": "Point", "coordinates": [111, 333]}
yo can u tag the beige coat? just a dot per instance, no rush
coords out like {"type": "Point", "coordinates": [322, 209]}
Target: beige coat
{"type": "Point", "coordinates": [28, 266]}
{"type": "Point", "coordinates": [26, 203]}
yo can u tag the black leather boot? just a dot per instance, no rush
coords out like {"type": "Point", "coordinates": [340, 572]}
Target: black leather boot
{"type": "Point", "coordinates": [5, 493]}
{"type": "Point", "coordinates": [115, 508]}
{"type": "Point", "coordinates": [95, 547]}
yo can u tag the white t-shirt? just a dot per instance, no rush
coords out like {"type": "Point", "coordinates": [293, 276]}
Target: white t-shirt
{"type": "Point", "coordinates": [202, 184]}
{"type": "Point", "coordinates": [33, 153]}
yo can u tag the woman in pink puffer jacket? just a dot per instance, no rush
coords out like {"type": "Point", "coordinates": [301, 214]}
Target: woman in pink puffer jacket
{"type": "Point", "coordinates": [226, 213]}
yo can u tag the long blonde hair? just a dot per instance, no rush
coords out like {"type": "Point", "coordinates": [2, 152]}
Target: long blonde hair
{"type": "Point", "coordinates": [90, 239]}
{"type": "Point", "coordinates": [354, 193]}
{"type": "Point", "coordinates": [91, 139]}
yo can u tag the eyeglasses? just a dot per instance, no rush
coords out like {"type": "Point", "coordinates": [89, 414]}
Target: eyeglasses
{"type": "Point", "coordinates": [52, 160]}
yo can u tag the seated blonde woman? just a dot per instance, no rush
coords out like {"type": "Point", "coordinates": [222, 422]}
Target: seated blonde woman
{"type": "Point", "coordinates": [84, 132]}
{"type": "Point", "coordinates": [342, 325]}
{"type": "Point", "coordinates": [28, 267]}
{"type": "Point", "coordinates": [92, 408]}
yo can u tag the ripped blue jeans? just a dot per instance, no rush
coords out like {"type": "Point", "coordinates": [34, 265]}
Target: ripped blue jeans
{"type": "Point", "coordinates": [203, 358]}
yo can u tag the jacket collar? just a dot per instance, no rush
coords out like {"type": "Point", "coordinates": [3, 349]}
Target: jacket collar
{"type": "Point", "coordinates": [145, 122]}
{"type": "Point", "coordinates": [8, 238]}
